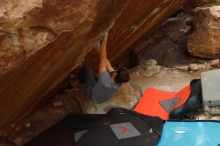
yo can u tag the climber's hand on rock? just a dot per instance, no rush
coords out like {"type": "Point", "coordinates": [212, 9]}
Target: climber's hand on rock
{"type": "Point", "coordinates": [97, 47]}
{"type": "Point", "coordinates": [103, 42]}
{"type": "Point", "coordinates": [103, 55]}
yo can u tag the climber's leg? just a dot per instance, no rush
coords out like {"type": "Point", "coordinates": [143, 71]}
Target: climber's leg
{"type": "Point", "coordinates": [90, 80]}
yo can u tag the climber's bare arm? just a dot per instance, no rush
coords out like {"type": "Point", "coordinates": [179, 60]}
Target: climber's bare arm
{"type": "Point", "coordinates": [103, 55]}
{"type": "Point", "coordinates": [109, 66]}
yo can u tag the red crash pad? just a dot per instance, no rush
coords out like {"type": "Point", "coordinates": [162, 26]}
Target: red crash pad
{"type": "Point", "coordinates": [156, 102]}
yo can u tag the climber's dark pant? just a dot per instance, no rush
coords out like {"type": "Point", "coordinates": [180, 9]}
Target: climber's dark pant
{"type": "Point", "coordinates": [90, 79]}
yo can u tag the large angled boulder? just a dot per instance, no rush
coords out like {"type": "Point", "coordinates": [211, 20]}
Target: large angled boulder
{"type": "Point", "coordinates": [43, 41]}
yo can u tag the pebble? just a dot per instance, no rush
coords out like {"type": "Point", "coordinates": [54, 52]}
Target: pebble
{"type": "Point", "coordinates": [150, 62]}
{"type": "Point", "coordinates": [193, 67]}
{"type": "Point", "coordinates": [156, 68]}
{"type": "Point", "coordinates": [152, 70]}
{"type": "Point", "coordinates": [12, 125]}
{"type": "Point", "coordinates": [28, 125]}
{"type": "Point", "coordinates": [214, 63]}
{"type": "Point", "coordinates": [18, 128]}
{"type": "Point", "coordinates": [58, 103]}
{"type": "Point", "coordinates": [183, 67]}
{"type": "Point", "coordinates": [175, 72]}
{"type": "Point", "coordinates": [202, 66]}
{"type": "Point", "coordinates": [19, 140]}
{"type": "Point", "coordinates": [208, 67]}
{"type": "Point", "coordinates": [137, 74]}
{"type": "Point", "coordinates": [72, 76]}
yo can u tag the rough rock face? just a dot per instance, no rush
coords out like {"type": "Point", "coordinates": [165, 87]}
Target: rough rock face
{"type": "Point", "coordinates": [205, 40]}
{"type": "Point", "coordinates": [168, 43]}
{"type": "Point", "coordinates": [139, 18]}
{"type": "Point", "coordinates": [5, 143]}
{"type": "Point", "coordinates": [28, 26]}
{"type": "Point", "coordinates": [42, 41]}
{"type": "Point", "coordinates": [47, 38]}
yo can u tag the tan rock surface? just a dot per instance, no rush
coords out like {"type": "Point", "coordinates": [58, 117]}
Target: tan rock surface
{"type": "Point", "coordinates": [205, 40]}
{"type": "Point", "coordinates": [41, 46]}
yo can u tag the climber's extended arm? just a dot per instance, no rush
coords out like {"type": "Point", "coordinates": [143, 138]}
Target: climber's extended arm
{"type": "Point", "coordinates": [103, 55]}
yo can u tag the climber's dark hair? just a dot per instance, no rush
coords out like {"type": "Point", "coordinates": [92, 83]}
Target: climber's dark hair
{"type": "Point", "coordinates": [122, 75]}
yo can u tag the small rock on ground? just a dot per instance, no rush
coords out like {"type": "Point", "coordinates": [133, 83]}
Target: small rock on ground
{"type": "Point", "coordinates": [183, 67]}
{"type": "Point", "coordinates": [58, 103]}
{"type": "Point", "coordinates": [202, 66]}
{"type": "Point", "coordinates": [150, 62]}
{"type": "Point", "coordinates": [215, 63]}
{"type": "Point", "coordinates": [28, 125]}
{"type": "Point", "coordinates": [193, 67]}
{"type": "Point", "coordinates": [151, 70]}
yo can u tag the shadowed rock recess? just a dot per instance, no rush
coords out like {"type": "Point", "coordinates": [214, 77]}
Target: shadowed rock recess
{"type": "Point", "coordinates": [43, 41]}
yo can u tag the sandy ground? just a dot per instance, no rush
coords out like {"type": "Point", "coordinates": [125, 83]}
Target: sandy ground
{"type": "Point", "coordinates": [167, 79]}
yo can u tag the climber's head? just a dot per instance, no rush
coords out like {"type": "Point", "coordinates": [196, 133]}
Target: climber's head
{"type": "Point", "coordinates": [121, 75]}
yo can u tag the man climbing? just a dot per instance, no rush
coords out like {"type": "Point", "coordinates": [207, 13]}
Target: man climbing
{"type": "Point", "coordinates": [103, 86]}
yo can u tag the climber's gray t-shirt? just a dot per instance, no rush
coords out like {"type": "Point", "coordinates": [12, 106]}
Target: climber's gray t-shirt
{"type": "Point", "coordinates": [104, 88]}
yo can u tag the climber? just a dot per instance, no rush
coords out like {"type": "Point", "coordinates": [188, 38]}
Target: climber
{"type": "Point", "coordinates": [103, 86]}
